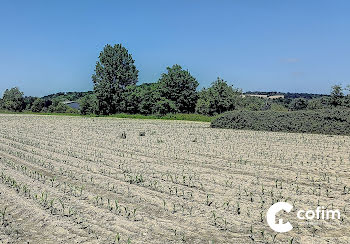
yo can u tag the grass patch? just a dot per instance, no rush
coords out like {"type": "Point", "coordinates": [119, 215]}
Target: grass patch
{"type": "Point", "coordinates": [188, 117]}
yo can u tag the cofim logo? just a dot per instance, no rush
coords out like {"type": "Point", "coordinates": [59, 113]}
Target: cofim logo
{"type": "Point", "coordinates": [319, 213]}
{"type": "Point", "coordinates": [271, 217]}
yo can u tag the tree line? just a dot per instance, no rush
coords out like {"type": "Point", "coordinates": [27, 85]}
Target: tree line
{"type": "Point", "coordinates": [116, 91]}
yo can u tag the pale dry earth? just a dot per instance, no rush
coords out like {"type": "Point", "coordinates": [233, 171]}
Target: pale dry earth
{"type": "Point", "coordinates": [76, 180]}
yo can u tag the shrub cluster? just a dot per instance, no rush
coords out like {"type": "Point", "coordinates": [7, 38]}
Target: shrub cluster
{"type": "Point", "coordinates": [330, 121]}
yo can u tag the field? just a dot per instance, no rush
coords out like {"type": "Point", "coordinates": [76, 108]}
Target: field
{"type": "Point", "coordinates": [107, 180]}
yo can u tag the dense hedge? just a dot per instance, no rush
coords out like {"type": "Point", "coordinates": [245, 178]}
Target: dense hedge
{"type": "Point", "coordinates": [334, 121]}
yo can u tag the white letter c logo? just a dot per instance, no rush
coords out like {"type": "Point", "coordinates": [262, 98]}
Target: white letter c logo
{"type": "Point", "coordinates": [271, 217]}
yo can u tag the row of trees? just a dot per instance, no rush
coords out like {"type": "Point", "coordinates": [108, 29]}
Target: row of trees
{"type": "Point", "coordinates": [13, 100]}
{"type": "Point", "coordinates": [146, 99]}
{"type": "Point", "coordinates": [116, 91]}
{"type": "Point", "coordinates": [337, 98]}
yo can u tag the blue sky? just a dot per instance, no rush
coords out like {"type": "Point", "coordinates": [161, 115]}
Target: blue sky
{"type": "Point", "coordinates": [296, 46]}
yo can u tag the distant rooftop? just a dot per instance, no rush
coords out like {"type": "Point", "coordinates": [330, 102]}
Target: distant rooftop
{"type": "Point", "coordinates": [68, 102]}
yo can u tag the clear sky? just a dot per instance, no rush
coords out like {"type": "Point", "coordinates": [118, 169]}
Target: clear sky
{"type": "Point", "coordinates": [297, 46]}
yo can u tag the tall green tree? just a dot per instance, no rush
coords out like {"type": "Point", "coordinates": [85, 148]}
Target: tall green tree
{"type": "Point", "coordinates": [336, 95]}
{"type": "Point", "coordinates": [13, 100]}
{"type": "Point", "coordinates": [218, 98]}
{"type": "Point", "coordinates": [114, 71]}
{"type": "Point", "coordinates": [179, 86]}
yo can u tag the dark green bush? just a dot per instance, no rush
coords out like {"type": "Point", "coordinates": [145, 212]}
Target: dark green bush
{"type": "Point", "coordinates": [88, 104]}
{"type": "Point", "coordinates": [333, 121]}
{"type": "Point", "coordinates": [38, 105]}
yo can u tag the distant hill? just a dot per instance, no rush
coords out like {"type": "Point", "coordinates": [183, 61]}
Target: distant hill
{"type": "Point", "coordinates": [70, 96]}
{"type": "Point", "coordinates": [288, 95]}
{"type": "Point", "coordinates": [74, 96]}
